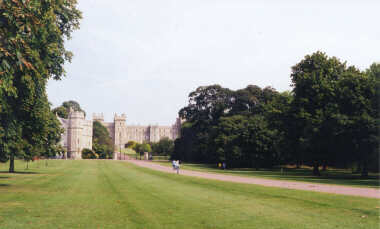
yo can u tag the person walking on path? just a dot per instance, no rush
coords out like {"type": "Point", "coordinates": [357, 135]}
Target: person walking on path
{"type": "Point", "coordinates": [177, 166]}
{"type": "Point", "coordinates": [173, 164]}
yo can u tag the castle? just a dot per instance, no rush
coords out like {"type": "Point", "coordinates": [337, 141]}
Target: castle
{"type": "Point", "coordinates": [78, 132]}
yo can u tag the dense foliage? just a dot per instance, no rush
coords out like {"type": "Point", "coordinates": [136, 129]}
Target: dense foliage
{"type": "Point", "coordinates": [102, 143]}
{"type": "Point", "coordinates": [142, 148]}
{"type": "Point", "coordinates": [32, 51]}
{"type": "Point", "coordinates": [163, 147]}
{"type": "Point", "coordinates": [89, 154]}
{"type": "Point", "coordinates": [331, 118]}
{"type": "Point", "coordinates": [130, 144]}
{"type": "Point", "coordinates": [63, 110]}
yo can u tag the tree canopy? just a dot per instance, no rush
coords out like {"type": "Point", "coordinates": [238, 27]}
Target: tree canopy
{"type": "Point", "coordinates": [32, 51]}
{"type": "Point", "coordinates": [330, 118]}
{"type": "Point", "coordinates": [163, 147]}
{"type": "Point", "coordinates": [63, 110]}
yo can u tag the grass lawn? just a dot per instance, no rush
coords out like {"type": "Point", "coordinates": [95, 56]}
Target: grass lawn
{"type": "Point", "coordinates": [331, 176]}
{"type": "Point", "coordinates": [115, 194]}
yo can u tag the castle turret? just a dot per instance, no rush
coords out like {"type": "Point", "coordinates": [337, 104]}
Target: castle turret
{"type": "Point", "coordinates": [75, 128]}
{"type": "Point", "coordinates": [98, 117]}
{"type": "Point", "coordinates": [120, 129]}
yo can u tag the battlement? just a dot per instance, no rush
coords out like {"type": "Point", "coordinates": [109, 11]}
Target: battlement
{"type": "Point", "coordinates": [98, 117]}
{"type": "Point", "coordinates": [76, 114]}
{"type": "Point", "coordinates": [122, 117]}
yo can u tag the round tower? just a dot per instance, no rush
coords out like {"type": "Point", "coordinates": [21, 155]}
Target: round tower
{"type": "Point", "coordinates": [75, 129]}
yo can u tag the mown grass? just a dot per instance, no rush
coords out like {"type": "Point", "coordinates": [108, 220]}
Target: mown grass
{"type": "Point", "coordinates": [115, 194]}
{"type": "Point", "coordinates": [330, 176]}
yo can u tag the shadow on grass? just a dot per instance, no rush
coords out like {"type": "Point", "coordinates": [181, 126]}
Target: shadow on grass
{"type": "Point", "coordinates": [4, 185]}
{"type": "Point", "coordinates": [332, 176]}
{"type": "Point", "coordinates": [18, 172]}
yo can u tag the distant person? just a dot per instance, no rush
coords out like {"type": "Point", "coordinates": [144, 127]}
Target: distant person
{"type": "Point", "coordinates": [177, 166]}
{"type": "Point", "coordinates": [173, 164]}
{"type": "Point", "coordinates": [219, 165]}
{"type": "Point", "coordinates": [224, 165]}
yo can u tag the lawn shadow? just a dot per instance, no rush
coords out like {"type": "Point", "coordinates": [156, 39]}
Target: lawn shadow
{"type": "Point", "coordinates": [18, 172]}
{"type": "Point", "coordinates": [4, 185]}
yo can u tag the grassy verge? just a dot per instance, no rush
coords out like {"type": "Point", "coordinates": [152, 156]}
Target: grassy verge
{"type": "Point", "coordinates": [114, 194]}
{"type": "Point", "coordinates": [160, 158]}
{"type": "Point", "coordinates": [331, 176]}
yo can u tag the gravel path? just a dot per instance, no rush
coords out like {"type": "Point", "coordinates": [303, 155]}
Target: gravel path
{"type": "Point", "coordinates": [335, 189]}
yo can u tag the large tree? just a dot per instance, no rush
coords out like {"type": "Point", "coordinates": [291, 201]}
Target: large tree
{"type": "Point", "coordinates": [336, 111]}
{"type": "Point", "coordinates": [315, 81]}
{"type": "Point", "coordinates": [358, 94]}
{"type": "Point", "coordinates": [32, 51]}
{"type": "Point", "coordinates": [101, 141]}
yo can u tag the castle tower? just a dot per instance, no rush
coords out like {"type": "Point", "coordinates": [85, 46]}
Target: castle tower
{"type": "Point", "coordinates": [75, 128]}
{"type": "Point", "coordinates": [98, 117]}
{"type": "Point", "coordinates": [176, 128]}
{"type": "Point", "coordinates": [119, 131]}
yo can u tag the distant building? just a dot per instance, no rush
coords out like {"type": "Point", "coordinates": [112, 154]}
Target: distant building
{"type": "Point", "coordinates": [122, 133]}
{"type": "Point", "coordinates": [78, 132]}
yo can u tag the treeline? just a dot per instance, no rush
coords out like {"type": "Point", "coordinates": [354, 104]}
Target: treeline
{"type": "Point", "coordinates": [164, 147]}
{"type": "Point", "coordinates": [330, 118]}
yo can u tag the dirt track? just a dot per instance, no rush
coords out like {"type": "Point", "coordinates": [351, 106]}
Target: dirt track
{"type": "Point", "coordinates": [335, 189]}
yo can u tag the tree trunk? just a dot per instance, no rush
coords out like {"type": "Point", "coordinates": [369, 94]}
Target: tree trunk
{"type": "Point", "coordinates": [316, 169]}
{"type": "Point", "coordinates": [12, 163]}
{"type": "Point", "coordinates": [364, 170]}
{"type": "Point", "coordinates": [324, 166]}
{"type": "Point", "coordinates": [27, 165]}
{"type": "Point", "coordinates": [359, 168]}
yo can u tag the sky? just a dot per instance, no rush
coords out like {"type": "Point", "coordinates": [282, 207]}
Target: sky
{"type": "Point", "coordinates": [144, 57]}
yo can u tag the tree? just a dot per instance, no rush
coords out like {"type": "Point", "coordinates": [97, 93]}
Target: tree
{"type": "Point", "coordinates": [314, 80]}
{"type": "Point", "coordinates": [51, 146]}
{"type": "Point", "coordinates": [145, 148]}
{"type": "Point", "coordinates": [359, 115]}
{"type": "Point", "coordinates": [63, 110]}
{"type": "Point", "coordinates": [142, 148]}
{"type": "Point", "coordinates": [163, 147]}
{"type": "Point", "coordinates": [336, 110]}
{"type": "Point", "coordinates": [32, 51]}
{"type": "Point", "coordinates": [130, 144]}
{"type": "Point", "coordinates": [101, 141]}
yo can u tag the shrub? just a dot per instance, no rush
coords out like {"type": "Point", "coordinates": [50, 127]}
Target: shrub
{"type": "Point", "coordinates": [89, 154]}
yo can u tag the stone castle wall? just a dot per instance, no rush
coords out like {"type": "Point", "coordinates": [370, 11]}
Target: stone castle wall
{"type": "Point", "coordinates": [121, 133]}
{"type": "Point", "coordinates": [78, 132]}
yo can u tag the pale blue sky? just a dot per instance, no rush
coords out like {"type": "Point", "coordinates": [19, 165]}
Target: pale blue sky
{"type": "Point", "coordinates": [143, 57]}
